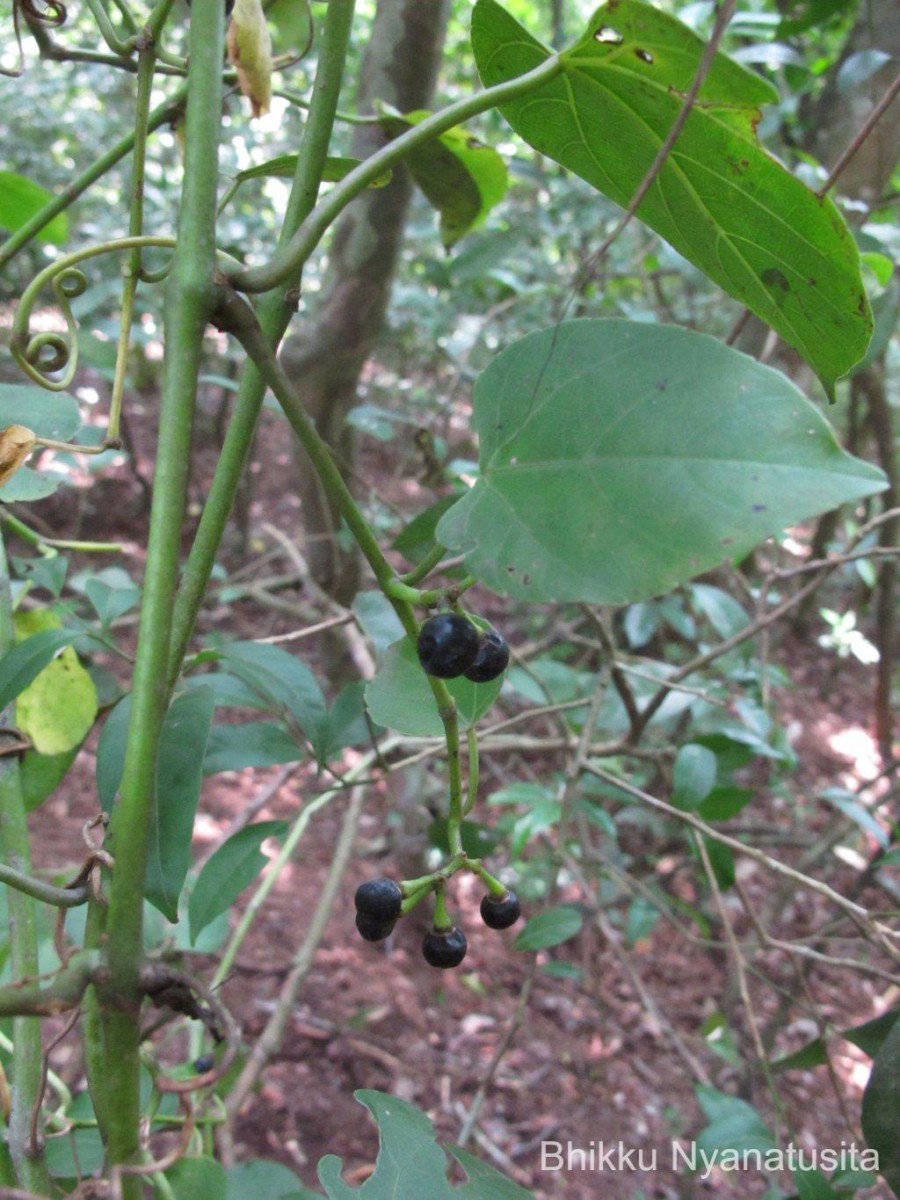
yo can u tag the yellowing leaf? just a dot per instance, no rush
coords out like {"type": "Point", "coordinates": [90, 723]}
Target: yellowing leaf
{"type": "Point", "coordinates": [250, 53]}
{"type": "Point", "coordinates": [57, 708]}
{"type": "Point", "coordinates": [16, 443]}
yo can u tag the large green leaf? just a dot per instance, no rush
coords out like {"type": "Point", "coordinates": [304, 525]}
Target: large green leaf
{"type": "Point", "coordinates": [285, 681]}
{"type": "Point", "coordinates": [719, 199]}
{"type": "Point", "coordinates": [192, 1177]}
{"type": "Point", "coordinates": [179, 774]}
{"type": "Point", "coordinates": [734, 1125]}
{"type": "Point", "coordinates": [182, 746]}
{"type": "Point", "coordinates": [881, 1109]}
{"type": "Point", "coordinates": [58, 707]}
{"type": "Point", "coordinates": [252, 744]}
{"type": "Point", "coordinates": [461, 177]}
{"type": "Point", "coordinates": [228, 871]}
{"type": "Point", "coordinates": [264, 1179]}
{"type": "Point", "coordinates": [20, 200]}
{"type": "Point", "coordinates": [411, 1165]}
{"type": "Point", "coordinates": [619, 459]}
{"type": "Point", "coordinates": [551, 928]}
{"type": "Point", "coordinates": [25, 661]}
{"type": "Point", "coordinates": [53, 415]}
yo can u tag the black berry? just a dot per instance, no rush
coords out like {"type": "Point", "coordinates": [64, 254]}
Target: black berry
{"type": "Point", "coordinates": [499, 912]}
{"type": "Point", "coordinates": [204, 1063]}
{"type": "Point", "coordinates": [447, 645]}
{"type": "Point", "coordinates": [444, 948]}
{"type": "Point", "coordinates": [372, 929]}
{"type": "Point", "coordinates": [491, 658]}
{"type": "Point", "coordinates": [379, 900]}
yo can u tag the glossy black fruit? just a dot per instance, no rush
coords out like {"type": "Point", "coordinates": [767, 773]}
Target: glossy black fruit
{"type": "Point", "coordinates": [372, 929]}
{"type": "Point", "coordinates": [499, 912]}
{"type": "Point", "coordinates": [447, 645]}
{"type": "Point", "coordinates": [444, 948]}
{"type": "Point", "coordinates": [204, 1063]}
{"type": "Point", "coordinates": [491, 658]}
{"type": "Point", "coordinates": [379, 899]}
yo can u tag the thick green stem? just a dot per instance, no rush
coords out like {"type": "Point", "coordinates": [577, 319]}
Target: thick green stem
{"type": "Point", "coordinates": [190, 299]}
{"type": "Point", "coordinates": [310, 233]}
{"type": "Point", "coordinates": [274, 316]}
{"type": "Point", "coordinates": [61, 994]}
{"type": "Point", "coordinates": [15, 850]}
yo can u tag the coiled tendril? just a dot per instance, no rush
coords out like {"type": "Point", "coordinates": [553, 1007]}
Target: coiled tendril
{"type": "Point", "coordinates": [44, 355]}
{"type": "Point", "coordinates": [53, 14]}
{"type": "Point", "coordinates": [47, 354]}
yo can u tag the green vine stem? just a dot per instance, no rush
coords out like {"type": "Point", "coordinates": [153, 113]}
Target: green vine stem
{"type": "Point", "coordinates": [399, 589]}
{"type": "Point", "coordinates": [425, 567]}
{"type": "Point", "coordinates": [190, 300]}
{"type": "Point", "coordinates": [163, 114]}
{"type": "Point", "coordinates": [275, 312]}
{"type": "Point", "coordinates": [49, 547]}
{"type": "Point", "coordinates": [15, 850]}
{"type": "Point", "coordinates": [298, 249]}
{"type": "Point", "coordinates": [442, 918]}
{"type": "Point", "coordinates": [60, 897]}
{"type": "Point", "coordinates": [62, 993]}
{"type": "Point", "coordinates": [132, 271]}
{"type": "Point", "coordinates": [472, 789]}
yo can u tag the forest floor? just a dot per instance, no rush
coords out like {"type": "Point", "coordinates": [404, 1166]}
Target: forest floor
{"type": "Point", "coordinates": [608, 1059]}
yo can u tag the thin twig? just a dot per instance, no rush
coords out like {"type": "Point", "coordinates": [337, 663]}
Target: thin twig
{"type": "Point", "coordinates": [861, 136]}
{"type": "Point", "coordinates": [515, 1023]}
{"type": "Point", "coordinates": [882, 932]}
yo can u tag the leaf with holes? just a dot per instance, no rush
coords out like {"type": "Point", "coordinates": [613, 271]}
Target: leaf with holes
{"type": "Point", "coordinates": [620, 459]}
{"type": "Point", "coordinates": [720, 199]}
{"type": "Point", "coordinates": [411, 1165]}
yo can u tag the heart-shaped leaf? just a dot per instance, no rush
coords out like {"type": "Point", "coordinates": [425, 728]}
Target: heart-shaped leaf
{"type": "Point", "coordinates": [720, 199]}
{"type": "Point", "coordinates": [620, 459]}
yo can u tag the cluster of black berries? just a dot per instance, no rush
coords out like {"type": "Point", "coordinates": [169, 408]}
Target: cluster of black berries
{"type": "Point", "coordinates": [449, 645]}
{"type": "Point", "coordinates": [378, 906]}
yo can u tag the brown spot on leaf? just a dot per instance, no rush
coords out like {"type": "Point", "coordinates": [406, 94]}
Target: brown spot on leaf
{"type": "Point", "coordinates": [773, 278]}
